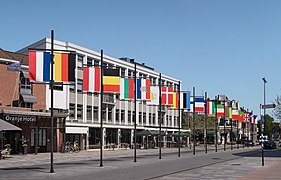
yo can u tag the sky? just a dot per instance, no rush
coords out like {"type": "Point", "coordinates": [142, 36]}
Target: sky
{"type": "Point", "coordinates": [217, 46]}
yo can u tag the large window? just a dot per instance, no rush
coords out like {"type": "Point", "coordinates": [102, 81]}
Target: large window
{"type": "Point", "coordinates": [96, 113]}
{"type": "Point", "coordinates": [80, 62]}
{"type": "Point", "coordinates": [122, 116]}
{"type": "Point", "coordinates": [80, 111]}
{"type": "Point", "coordinates": [117, 115]}
{"type": "Point", "coordinates": [110, 115]}
{"type": "Point", "coordinates": [71, 111]}
{"type": "Point", "coordinates": [140, 116]}
{"type": "Point", "coordinates": [153, 119]}
{"type": "Point", "coordinates": [89, 112]}
{"type": "Point", "coordinates": [89, 61]}
{"type": "Point", "coordinates": [42, 137]}
{"type": "Point", "coordinates": [79, 85]}
{"type": "Point", "coordinates": [129, 117]}
{"type": "Point", "coordinates": [96, 63]}
{"type": "Point", "coordinates": [150, 118]}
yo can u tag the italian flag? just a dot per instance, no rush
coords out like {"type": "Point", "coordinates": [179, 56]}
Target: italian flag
{"type": "Point", "coordinates": [211, 111]}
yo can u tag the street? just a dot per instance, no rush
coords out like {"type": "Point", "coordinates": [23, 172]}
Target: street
{"type": "Point", "coordinates": [229, 164]}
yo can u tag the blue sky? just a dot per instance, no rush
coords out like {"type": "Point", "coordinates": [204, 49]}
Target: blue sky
{"type": "Point", "coordinates": [218, 46]}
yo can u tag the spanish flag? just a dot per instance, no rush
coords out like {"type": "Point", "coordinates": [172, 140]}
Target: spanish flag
{"type": "Point", "coordinates": [111, 80]}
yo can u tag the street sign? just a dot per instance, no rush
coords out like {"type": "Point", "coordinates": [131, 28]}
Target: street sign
{"type": "Point", "coordinates": [268, 106]}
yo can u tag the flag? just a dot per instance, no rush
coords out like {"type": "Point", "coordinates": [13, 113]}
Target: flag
{"type": "Point", "coordinates": [167, 95]}
{"type": "Point", "coordinates": [199, 104]}
{"type": "Point", "coordinates": [246, 117]}
{"type": "Point", "coordinates": [235, 114]}
{"type": "Point", "coordinates": [241, 116]}
{"type": "Point", "coordinates": [91, 79]}
{"type": "Point", "coordinates": [111, 80]}
{"type": "Point", "coordinates": [253, 119]}
{"type": "Point", "coordinates": [211, 111]}
{"type": "Point", "coordinates": [64, 67]}
{"type": "Point", "coordinates": [154, 96]}
{"type": "Point", "coordinates": [15, 66]}
{"type": "Point", "coordinates": [127, 88]}
{"type": "Point", "coordinates": [185, 100]}
{"type": "Point", "coordinates": [175, 100]}
{"type": "Point", "coordinates": [220, 110]}
{"type": "Point", "coordinates": [229, 112]}
{"type": "Point", "coordinates": [39, 66]}
{"type": "Point", "coordinates": [143, 89]}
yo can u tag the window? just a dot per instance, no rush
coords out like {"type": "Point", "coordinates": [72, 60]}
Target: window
{"type": "Point", "coordinates": [110, 115]}
{"type": "Point", "coordinates": [104, 114]}
{"type": "Point", "coordinates": [129, 117]}
{"type": "Point", "coordinates": [123, 70]}
{"type": "Point", "coordinates": [80, 62]}
{"type": "Point", "coordinates": [96, 111]}
{"type": "Point", "coordinates": [153, 119]}
{"type": "Point", "coordinates": [89, 112]}
{"type": "Point", "coordinates": [96, 63]}
{"type": "Point", "coordinates": [123, 116]}
{"type": "Point", "coordinates": [79, 111]}
{"type": "Point", "coordinates": [25, 86]}
{"type": "Point", "coordinates": [140, 116]}
{"type": "Point", "coordinates": [71, 111]}
{"type": "Point", "coordinates": [117, 115]}
{"type": "Point", "coordinates": [72, 88]}
{"type": "Point", "coordinates": [25, 104]}
{"type": "Point", "coordinates": [79, 85]}
{"type": "Point", "coordinates": [150, 118]}
{"type": "Point", "coordinates": [134, 116]}
{"type": "Point", "coordinates": [144, 117]}
{"type": "Point", "coordinates": [170, 120]}
{"type": "Point", "coordinates": [42, 137]}
{"type": "Point", "coordinates": [130, 73]}
{"type": "Point", "coordinates": [89, 61]}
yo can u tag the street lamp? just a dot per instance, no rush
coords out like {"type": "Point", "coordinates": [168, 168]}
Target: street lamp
{"type": "Point", "coordinates": [262, 128]}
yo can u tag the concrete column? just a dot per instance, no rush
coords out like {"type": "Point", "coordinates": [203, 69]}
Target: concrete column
{"type": "Point", "coordinates": [119, 138]}
{"type": "Point", "coordinates": [104, 137]}
{"type": "Point", "coordinates": [132, 137]}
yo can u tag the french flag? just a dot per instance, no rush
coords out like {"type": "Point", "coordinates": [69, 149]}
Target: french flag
{"type": "Point", "coordinates": [39, 66]}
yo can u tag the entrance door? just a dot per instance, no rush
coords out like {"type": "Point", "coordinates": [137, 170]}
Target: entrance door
{"type": "Point", "coordinates": [14, 139]}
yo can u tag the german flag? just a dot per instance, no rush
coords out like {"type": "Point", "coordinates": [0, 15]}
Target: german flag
{"type": "Point", "coordinates": [111, 80]}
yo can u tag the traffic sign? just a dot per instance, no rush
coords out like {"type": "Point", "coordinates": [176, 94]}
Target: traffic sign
{"type": "Point", "coordinates": [268, 106]}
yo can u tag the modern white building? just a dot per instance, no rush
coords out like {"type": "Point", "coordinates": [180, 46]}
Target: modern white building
{"type": "Point", "coordinates": [83, 122]}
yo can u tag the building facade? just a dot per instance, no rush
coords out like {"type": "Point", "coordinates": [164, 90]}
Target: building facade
{"type": "Point", "coordinates": [83, 123]}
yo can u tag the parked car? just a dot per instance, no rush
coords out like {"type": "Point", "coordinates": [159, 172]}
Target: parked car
{"type": "Point", "coordinates": [269, 145]}
{"type": "Point", "coordinates": [248, 143]}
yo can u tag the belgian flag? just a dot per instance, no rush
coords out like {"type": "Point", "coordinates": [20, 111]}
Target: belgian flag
{"type": "Point", "coordinates": [111, 80]}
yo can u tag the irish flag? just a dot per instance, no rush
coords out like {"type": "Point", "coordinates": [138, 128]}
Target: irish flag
{"type": "Point", "coordinates": [235, 114]}
{"type": "Point", "coordinates": [127, 88]}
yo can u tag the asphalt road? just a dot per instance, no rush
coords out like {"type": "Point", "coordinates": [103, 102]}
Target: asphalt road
{"type": "Point", "coordinates": [119, 165]}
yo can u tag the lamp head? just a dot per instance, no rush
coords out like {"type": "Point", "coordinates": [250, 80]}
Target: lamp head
{"type": "Point", "coordinates": [264, 80]}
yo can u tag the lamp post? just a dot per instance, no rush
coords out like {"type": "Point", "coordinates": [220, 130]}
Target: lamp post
{"type": "Point", "coordinates": [262, 128]}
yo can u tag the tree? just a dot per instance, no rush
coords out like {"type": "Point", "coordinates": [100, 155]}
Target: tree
{"type": "Point", "coordinates": [270, 127]}
{"type": "Point", "coordinates": [277, 109]}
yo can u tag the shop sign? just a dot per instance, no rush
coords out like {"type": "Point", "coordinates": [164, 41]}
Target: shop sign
{"type": "Point", "coordinates": [13, 118]}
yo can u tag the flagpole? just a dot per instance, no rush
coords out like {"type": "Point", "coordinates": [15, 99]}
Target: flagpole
{"type": "Point", "coordinates": [160, 113]}
{"type": "Point", "coordinates": [52, 102]}
{"type": "Point", "coordinates": [179, 121]}
{"type": "Point", "coordinates": [231, 132]}
{"type": "Point", "coordinates": [135, 118]}
{"type": "Point", "coordinates": [237, 132]}
{"type": "Point", "coordinates": [205, 134]}
{"type": "Point", "coordinates": [193, 120]}
{"type": "Point", "coordinates": [101, 106]}
{"type": "Point", "coordinates": [224, 144]}
{"type": "Point", "coordinates": [216, 123]}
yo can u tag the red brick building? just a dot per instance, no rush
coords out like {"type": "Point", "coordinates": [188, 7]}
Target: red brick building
{"type": "Point", "coordinates": [24, 105]}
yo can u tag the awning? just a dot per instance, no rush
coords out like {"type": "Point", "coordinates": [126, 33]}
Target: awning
{"type": "Point", "coordinates": [182, 134]}
{"type": "Point", "coordinates": [150, 133]}
{"type": "Point", "coordinates": [5, 126]}
{"type": "Point", "coordinates": [29, 98]}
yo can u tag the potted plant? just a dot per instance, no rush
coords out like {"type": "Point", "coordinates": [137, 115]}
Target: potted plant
{"type": "Point", "coordinates": [25, 149]}
{"type": "Point", "coordinates": [7, 146]}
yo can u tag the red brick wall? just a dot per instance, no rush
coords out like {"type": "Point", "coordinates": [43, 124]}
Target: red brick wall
{"type": "Point", "coordinates": [8, 83]}
{"type": "Point", "coordinates": [39, 91]}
